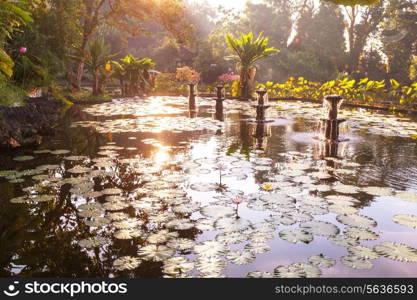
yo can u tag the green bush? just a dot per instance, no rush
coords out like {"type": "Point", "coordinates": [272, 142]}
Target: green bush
{"type": "Point", "coordinates": [10, 94]}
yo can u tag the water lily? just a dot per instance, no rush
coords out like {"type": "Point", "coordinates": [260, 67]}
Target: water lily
{"type": "Point", "coordinates": [267, 187]}
{"type": "Point", "coordinates": [237, 200]}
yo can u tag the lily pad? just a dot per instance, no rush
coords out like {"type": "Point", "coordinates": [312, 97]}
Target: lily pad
{"type": "Point", "coordinates": [356, 262]}
{"type": "Point", "coordinates": [296, 236]}
{"type": "Point", "coordinates": [321, 261]}
{"type": "Point", "coordinates": [406, 220]}
{"type": "Point", "coordinates": [397, 251]}
{"type": "Point", "coordinates": [126, 263]}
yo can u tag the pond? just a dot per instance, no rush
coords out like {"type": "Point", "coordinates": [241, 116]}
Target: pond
{"type": "Point", "coordinates": [145, 188]}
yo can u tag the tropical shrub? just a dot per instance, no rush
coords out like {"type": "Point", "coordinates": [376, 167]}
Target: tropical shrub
{"type": "Point", "coordinates": [133, 74]}
{"type": "Point", "coordinates": [247, 51]}
{"type": "Point", "coordinates": [187, 75]}
{"type": "Point", "coordinates": [166, 83]}
{"type": "Point", "coordinates": [363, 91]}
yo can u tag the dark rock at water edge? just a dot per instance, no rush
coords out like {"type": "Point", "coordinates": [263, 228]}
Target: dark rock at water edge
{"type": "Point", "coordinates": [25, 125]}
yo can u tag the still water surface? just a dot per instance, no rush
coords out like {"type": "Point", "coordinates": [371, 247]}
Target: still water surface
{"type": "Point", "coordinates": [144, 188]}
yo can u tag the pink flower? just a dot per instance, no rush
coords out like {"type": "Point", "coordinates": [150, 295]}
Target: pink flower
{"type": "Point", "coordinates": [220, 167]}
{"type": "Point", "coordinates": [237, 200]}
{"type": "Point", "coordinates": [228, 77]}
{"type": "Point", "coordinates": [23, 49]}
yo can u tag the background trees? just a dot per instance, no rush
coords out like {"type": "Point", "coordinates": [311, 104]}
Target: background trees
{"type": "Point", "coordinates": [318, 40]}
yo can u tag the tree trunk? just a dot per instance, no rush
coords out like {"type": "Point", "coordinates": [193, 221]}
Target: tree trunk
{"type": "Point", "coordinates": [243, 84]}
{"type": "Point", "coordinates": [95, 84]}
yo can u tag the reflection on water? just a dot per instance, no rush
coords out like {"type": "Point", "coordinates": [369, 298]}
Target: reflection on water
{"type": "Point", "coordinates": [141, 188]}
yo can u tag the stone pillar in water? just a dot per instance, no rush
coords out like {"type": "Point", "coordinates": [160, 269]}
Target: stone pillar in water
{"type": "Point", "coordinates": [329, 125]}
{"type": "Point", "coordinates": [261, 107]}
{"type": "Point", "coordinates": [219, 103]}
{"type": "Point", "coordinates": [191, 96]}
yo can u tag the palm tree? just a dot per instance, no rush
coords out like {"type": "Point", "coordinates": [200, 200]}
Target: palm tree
{"type": "Point", "coordinates": [247, 52]}
{"type": "Point", "coordinates": [98, 56]}
{"type": "Point", "coordinates": [133, 73]}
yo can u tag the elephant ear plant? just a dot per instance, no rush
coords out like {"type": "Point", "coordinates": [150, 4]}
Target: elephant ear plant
{"type": "Point", "coordinates": [247, 51]}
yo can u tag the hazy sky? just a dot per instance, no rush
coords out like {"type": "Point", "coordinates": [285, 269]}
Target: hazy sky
{"type": "Point", "coordinates": [228, 3]}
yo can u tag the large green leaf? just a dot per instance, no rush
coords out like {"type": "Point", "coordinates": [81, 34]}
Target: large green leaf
{"type": "Point", "coordinates": [6, 64]}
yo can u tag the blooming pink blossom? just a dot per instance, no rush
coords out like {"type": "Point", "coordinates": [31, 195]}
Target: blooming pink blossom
{"type": "Point", "coordinates": [23, 49]}
{"type": "Point", "coordinates": [228, 77]}
{"type": "Point", "coordinates": [237, 200]}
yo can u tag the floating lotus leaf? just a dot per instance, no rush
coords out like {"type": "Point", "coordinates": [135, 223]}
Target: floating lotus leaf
{"type": "Point", "coordinates": [79, 170]}
{"type": "Point", "coordinates": [356, 262]}
{"type": "Point", "coordinates": [161, 236]}
{"type": "Point", "coordinates": [407, 197]}
{"type": "Point", "coordinates": [40, 177]}
{"type": "Point", "coordinates": [257, 248]}
{"type": "Point", "coordinates": [210, 248]}
{"type": "Point", "coordinates": [397, 251]}
{"type": "Point", "coordinates": [320, 188]}
{"type": "Point", "coordinates": [117, 216]}
{"type": "Point", "coordinates": [17, 180]}
{"type": "Point", "coordinates": [177, 265]}
{"type": "Point", "coordinates": [187, 208]}
{"type": "Point", "coordinates": [128, 234]}
{"type": "Point", "coordinates": [231, 237]}
{"type": "Point", "coordinates": [115, 205]}
{"type": "Point", "coordinates": [321, 261]}
{"type": "Point", "coordinates": [97, 222]}
{"type": "Point", "coordinates": [60, 152]}
{"type": "Point", "coordinates": [23, 158]}
{"type": "Point", "coordinates": [126, 263]}
{"type": "Point", "coordinates": [296, 236]}
{"type": "Point", "coordinates": [320, 228]}
{"type": "Point", "coordinates": [217, 211]}
{"type": "Point", "coordinates": [362, 251]}
{"type": "Point", "coordinates": [263, 228]}
{"type": "Point", "coordinates": [114, 198]}
{"type": "Point", "coordinates": [346, 189]}
{"type": "Point", "coordinates": [41, 198]}
{"type": "Point", "coordinates": [342, 200]}
{"type": "Point", "coordinates": [93, 242]}
{"type": "Point", "coordinates": [343, 241]}
{"type": "Point", "coordinates": [180, 224]}
{"type": "Point", "coordinates": [290, 190]}
{"type": "Point", "coordinates": [112, 191]}
{"type": "Point", "coordinates": [205, 224]}
{"type": "Point", "coordinates": [19, 200]}
{"type": "Point", "coordinates": [342, 209]}
{"type": "Point", "coordinates": [356, 221]}
{"type": "Point", "coordinates": [284, 219]}
{"type": "Point", "coordinates": [277, 198]}
{"type": "Point", "coordinates": [203, 187]}
{"type": "Point", "coordinates": [313, 210]}
{"type": "Point", "coordinates": [406, 220]}
{"type": "Point", "coordinates": [155, 252]}
{"type": "Point", "coordinates": [361, 234]}
{"type": "Point", "coordinates": [240, 257]}
{"type": "Point", "coordinates": [128, 223]}
{"type": "Point", "coordinates": [259, 274]}
{"type": "Point", "coordinates": [232, 224]}
{"type": "Point", "coordinates": [377, 191]}
{"type": "Point", "coordinates": [297, 270]}
{"type": "Point", "coordinates": [210, 265]}
{"type": "Point", "coordinates": [76, 157]}
{"type": "Point", "coordinates": [181, 244]}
